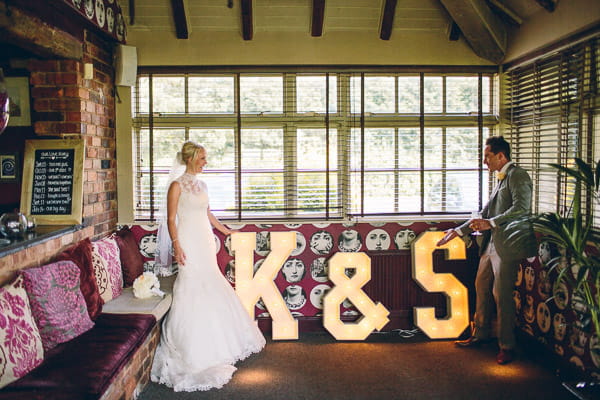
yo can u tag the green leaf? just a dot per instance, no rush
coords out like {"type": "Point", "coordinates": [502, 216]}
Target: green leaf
{"type": "Point", "coordinates": [569, 171]}
{"type": "Point", "coordinates": [586, 172]}
{"type": "Point", "coordinates": [597, 185]}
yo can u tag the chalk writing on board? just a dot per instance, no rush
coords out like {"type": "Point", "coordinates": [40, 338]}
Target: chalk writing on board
{"type": "Point", "coordinates": [52, 182]}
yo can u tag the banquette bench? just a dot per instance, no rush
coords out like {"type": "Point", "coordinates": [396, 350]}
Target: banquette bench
{"type": "Point", "coordinates": [70, 330]}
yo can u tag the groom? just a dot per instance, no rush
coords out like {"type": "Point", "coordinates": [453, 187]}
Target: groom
{"type": "Point", "coordinates": [499, 257]}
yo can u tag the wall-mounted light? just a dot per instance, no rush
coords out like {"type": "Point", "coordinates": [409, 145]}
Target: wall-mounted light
{"type": "Point", "coordinates": [374, 315]}
{"type": "Point", "coordinates": [251, 287]}
{"type": "Point", "coordinates": [456, 294]}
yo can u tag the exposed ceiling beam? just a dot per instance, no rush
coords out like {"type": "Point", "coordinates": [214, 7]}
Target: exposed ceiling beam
{"type": "Point", "coordinates": [387, 19]}
{"type": "Point", "coordinates": [247, 30]}
{"type": "Point", "coordinates": [549, 5]}
{"type": "Point", "coordinates": [512, 16]}
{"type": "Point", "coordinates": [131, 12]}
{"type": "Point", "coordinates": [32, 34]}
{"type": "Point", "coordinates": [318, 15]}
{"type": "Point", "coordinates": [453, 31]}
{"type": "Point", "coordinates": [482, 29]}
{"type": "Point", "coordinates": [180, 19]}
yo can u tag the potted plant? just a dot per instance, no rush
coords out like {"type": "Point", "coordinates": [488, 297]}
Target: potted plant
{"type": "Point", "coordinates": [571, 231]}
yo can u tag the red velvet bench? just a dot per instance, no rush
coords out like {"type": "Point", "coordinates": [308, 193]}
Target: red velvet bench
{"type": "Point", "coordinates": [106, 362]}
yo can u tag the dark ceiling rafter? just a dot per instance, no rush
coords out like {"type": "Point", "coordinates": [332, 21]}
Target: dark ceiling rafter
{"type": "Point", "coordinates": [246, 9]}
{"type": "Point", "coordinates": [180, 19]}
{"type": "Point", "coordinates": [453, 31]}
{"type": "Point", "coordinates": [483, 30]}
{"type": "Point", "coordinates": [131, 12]}
{"type": "Point", "coordinates": [549, 5]}
{"type": "Point", "coordinates": [387, 19]}
{"type": "Point", "coordinates": [506, 12]}
{"type": "Point", "coordinates": [318, 16]}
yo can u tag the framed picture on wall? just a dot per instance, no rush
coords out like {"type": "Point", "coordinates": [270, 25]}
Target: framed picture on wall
{"type": "Point", "coordinates": [18, 98]}
{"type": "Point", "coordinates": [9, 167]}
{"type": "Point", "coordinates": [52, 189]}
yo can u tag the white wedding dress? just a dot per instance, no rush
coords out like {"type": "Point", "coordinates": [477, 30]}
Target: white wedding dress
{"type": "Point", "coordinates": [207, 329]}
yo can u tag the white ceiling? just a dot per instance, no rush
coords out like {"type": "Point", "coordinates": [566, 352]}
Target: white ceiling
{"type": "Point", "coordinates": [295, 15]}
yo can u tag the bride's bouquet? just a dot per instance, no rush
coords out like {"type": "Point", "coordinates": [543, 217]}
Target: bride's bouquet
{"type": "Point", "coordinates": [147, 285]}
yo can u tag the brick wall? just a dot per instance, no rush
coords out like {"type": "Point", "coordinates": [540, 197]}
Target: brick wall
{"type": "Point", "coordinates": [64, 104]}
{"type": "Point", "coordinates": [68, 105]}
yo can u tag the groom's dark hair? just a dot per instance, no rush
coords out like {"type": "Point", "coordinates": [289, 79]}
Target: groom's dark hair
{"type": "Point", "coordinates": [498, 145]}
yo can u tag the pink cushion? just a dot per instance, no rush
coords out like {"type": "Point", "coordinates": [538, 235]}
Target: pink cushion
{"type": "Point", "coordinates": [107, 268]}
{"type": "Point", "coordinates": [20, 343]}
{"type": "Point", "coordinates": [81, 255]}
{"type": "Point", "coordinates": [57, 303]}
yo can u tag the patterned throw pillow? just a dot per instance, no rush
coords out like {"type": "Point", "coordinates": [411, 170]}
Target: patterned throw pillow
{"type": "Point", "coordinates": [20, 343]}
{"type": "Point", "coordinates": [81, 255]}
{"type": "Point", "coordinates": [132, 262]}
{"type": "Point", "coordinates": [107, 268]}
{"type": "Point", "coordinates": [57, 304]}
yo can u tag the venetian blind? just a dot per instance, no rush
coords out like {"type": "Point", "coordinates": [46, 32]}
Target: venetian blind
{"type": "Point", "coordinates": [552, 104]}
{"type": "Point", "coordinates": [323, 145]}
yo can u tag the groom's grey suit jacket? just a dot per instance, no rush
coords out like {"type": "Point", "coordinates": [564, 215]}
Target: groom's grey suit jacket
{"type": "Point", "coordinates": [510, 200]}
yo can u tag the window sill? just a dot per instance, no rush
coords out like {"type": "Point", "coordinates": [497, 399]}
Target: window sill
{"type": "Point", "coordinates": [41, 234]}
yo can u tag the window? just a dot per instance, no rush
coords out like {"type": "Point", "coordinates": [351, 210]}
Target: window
{"type": "Point", "coordinates": [285, 145]}
{"type": "Point", "coordinates": [553, 108]}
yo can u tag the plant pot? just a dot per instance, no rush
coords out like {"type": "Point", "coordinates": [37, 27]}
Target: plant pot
{"type": "Point", "coordinates": [584, 390]}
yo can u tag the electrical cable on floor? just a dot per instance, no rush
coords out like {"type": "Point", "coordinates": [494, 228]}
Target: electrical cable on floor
{"type": "Point", "coordinates": [403, 333]}
{"type": "Point", "coordinates": [407, 333]}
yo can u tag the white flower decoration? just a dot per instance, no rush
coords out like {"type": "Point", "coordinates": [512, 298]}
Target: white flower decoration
{"type": "Point", "coordinates": [147, 285]}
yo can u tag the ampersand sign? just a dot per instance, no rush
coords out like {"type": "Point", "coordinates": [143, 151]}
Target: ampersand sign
{"type": "Point", "coordinates": [374, 315]}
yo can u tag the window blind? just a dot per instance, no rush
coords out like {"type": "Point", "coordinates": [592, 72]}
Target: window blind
{"type": "Point", "coordinates": [553, 107]}
{"type": "Point", "coordinates": [324, 144]}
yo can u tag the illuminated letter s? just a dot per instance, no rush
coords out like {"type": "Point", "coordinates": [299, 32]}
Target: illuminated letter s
{"type": "Point", "coordinates": [457, 319]}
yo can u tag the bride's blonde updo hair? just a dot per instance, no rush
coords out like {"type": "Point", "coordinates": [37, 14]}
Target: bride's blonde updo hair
{"type": "Point", "coordinates": [188, 151]}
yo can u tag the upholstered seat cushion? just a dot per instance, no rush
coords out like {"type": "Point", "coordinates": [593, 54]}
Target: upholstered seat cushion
{"type": "Point", "coordinates": [127, 303]}
{"type": "Point", "coordinates": [84, 367]}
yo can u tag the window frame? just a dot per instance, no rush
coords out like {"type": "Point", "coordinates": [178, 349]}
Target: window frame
{"type": "Point", "coordinates": [342, 121]}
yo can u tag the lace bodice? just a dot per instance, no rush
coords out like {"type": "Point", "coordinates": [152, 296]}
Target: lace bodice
{"type": "Point", "coordinates": [191, 184]}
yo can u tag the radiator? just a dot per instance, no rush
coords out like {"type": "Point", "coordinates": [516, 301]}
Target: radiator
{"type": "Point", "coordinates": [392, 285]}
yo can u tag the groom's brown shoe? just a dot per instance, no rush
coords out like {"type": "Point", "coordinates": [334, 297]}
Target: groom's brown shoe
{"type": "Point", "coordinates": [473, 341]}
{"type": "Point", "coordinates": [505, 356]}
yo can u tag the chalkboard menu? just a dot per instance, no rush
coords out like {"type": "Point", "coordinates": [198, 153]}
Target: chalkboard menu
{"type": "Point", "coordinates": [52, 181]}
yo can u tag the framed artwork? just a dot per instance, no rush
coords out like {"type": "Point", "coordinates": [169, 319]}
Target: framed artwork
{"type": "Point", "coordinates": [9, 167]}
{"type": "Point", "coordinates": [18, 97]}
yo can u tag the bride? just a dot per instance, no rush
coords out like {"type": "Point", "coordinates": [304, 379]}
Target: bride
{"type": "Point", "coordinates": [207, 329]}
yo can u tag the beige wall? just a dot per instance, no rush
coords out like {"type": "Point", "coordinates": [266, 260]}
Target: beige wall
{"type": "Point", "coordinates": [297, 48]}
{"type": "Point", "coordinates": [543, 27]}
{"type": "Point", "coordinates": [124, 157]}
